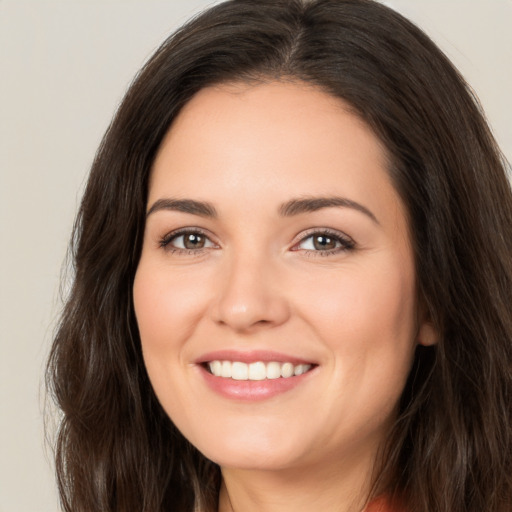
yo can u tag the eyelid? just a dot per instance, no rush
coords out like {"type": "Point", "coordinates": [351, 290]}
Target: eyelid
{"type": "Point", "coordinates": [347, 243]}
{"type": "Point", "coordinates": [166, 240]}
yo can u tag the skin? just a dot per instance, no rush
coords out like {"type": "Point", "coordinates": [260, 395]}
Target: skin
{"type": "Point", "coordinates": [259, 282]}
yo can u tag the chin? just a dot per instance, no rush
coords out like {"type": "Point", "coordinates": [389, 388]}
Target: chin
{"type": "Point", "coordinates": [253, 460]}
{"type": "Point", "coordinates": [252, 450]}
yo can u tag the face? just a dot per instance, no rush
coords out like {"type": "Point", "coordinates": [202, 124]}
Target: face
{"type": "Point", "coordinates": [275, 294]}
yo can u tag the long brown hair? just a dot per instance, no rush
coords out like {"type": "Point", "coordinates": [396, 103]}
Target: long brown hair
{"type": "Point", "coordinates": [451, 447]}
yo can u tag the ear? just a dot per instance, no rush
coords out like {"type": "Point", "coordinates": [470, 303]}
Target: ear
{"type": "Point", "coordinates": [427, 334]}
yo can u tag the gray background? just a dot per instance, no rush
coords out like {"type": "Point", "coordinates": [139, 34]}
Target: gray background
{"type": "Point", "coordinates": [64, 66]}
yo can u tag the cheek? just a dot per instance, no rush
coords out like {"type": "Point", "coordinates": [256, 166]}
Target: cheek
{"type": "Point", "coordinates": [367, 320]}
{"type": "Point", "coordinates": [166, 311]}
{"type": "Point", "coordinates": [370, 304]}
{"type": "Point", "coordinates": [168, 306]}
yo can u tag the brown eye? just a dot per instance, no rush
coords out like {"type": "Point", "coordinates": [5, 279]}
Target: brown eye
{"type": "Point", "coordinates": [324, 243]}
{"type": "Point", "coordinates": [193, 241]}
{"type": "Point", "coordinates": [187, 241]}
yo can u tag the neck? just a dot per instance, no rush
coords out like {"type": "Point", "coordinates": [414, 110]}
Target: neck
{"type": "Point", "coordinates": [326, 489]}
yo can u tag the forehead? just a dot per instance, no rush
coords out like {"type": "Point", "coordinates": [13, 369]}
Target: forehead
{"type": "Point", "coordinates": [275, 140]}
{"type": "Point", "coordinates": [282, 112]}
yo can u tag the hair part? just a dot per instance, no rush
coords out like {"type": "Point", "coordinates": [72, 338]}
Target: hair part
{"type": "Point", "coordinates": [451, 446]}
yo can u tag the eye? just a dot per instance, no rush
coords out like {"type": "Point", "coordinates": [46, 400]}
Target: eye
{"type": "Point", "coordinates": [186, 240]}
{"type": "Point", "coordinates": [325, 241]}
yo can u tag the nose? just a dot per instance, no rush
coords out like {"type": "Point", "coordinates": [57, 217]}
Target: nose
{"type": "Point", "coordinates": [250, 296]}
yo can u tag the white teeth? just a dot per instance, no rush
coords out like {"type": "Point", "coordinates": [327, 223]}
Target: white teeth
{"type": "Point", "coordinates": [225, 369]}
{"type": "Point", "coordinates": [256, 371]}
{"type": "Point", "coordinates": [273, 370]}
{"type": "Point", "coordinates": [216, 367]}
{"type": "Point", "coordinates": [287, 370]}
{"type": "Point", "coordinates": [300, 369]}
{"type": "Point", "coordinates": [239, 371]}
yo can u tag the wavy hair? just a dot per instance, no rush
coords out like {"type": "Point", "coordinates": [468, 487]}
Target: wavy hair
{"type": "Point", "coordinates": [451, 446]}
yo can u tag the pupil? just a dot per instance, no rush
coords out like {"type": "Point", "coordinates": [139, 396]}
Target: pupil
{"type": "Point", "coordinates": [194, 241]}
{"type": "Point", "coordinates": [323, 242]}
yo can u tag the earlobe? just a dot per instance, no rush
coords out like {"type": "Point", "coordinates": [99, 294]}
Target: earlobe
{"type": "Point", "coordinates": [427, 334]}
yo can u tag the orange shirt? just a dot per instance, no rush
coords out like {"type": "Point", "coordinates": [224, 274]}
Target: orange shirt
{"type": "Point", "coordinates": [382, 504]}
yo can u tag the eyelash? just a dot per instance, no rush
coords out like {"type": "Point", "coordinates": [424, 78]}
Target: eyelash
{"type": "Point", "coordinates": [345, 243]}
{"type": "Point", "coordinates": [167, 239]}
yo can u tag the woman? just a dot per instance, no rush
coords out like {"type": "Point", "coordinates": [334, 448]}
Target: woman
{"type": "Point", "coordinates": [293, 278]}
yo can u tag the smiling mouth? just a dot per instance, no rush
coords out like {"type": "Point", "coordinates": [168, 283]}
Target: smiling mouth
{"type": "Point", "coordinates": [257, 371]}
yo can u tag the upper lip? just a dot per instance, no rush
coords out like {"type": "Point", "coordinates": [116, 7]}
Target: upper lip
{"type": "Point", "coordinates": [251, 356]}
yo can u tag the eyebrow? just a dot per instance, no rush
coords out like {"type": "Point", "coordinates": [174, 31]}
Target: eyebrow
{"type": "Point", "coordinates": [288, 209]}
{"type": "Point", "coordinates": [313, 204]}
{"type": "Point", "coordinates": [200, 208]}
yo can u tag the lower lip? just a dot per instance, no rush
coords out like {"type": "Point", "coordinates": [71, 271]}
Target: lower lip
{"type": "Point", "coordinates": [252, 390]}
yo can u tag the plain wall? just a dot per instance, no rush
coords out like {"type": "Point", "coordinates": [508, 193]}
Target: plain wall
{"type": "Point", "coordinates": [64, 66]}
